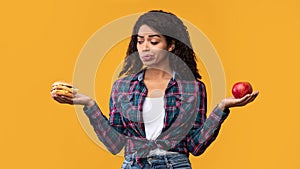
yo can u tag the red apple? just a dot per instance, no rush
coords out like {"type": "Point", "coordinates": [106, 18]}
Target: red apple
{"type": "Point", "coordinates": [240, 89]}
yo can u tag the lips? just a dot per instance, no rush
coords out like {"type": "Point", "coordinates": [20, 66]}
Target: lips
{"type": "Point", "coordinates": [147, 57]}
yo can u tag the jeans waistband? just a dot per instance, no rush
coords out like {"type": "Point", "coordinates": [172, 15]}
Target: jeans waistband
{"type": "Point", "coordinates": [131, 157]}
{"type": "Point", "coordinates": [168, 161]}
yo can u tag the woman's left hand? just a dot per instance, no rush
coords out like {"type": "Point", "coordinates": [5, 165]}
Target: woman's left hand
{"type": "Point", "coordinates": [234, 102]}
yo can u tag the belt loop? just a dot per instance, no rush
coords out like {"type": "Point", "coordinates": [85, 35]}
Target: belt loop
{"type": "Point", "coordinates": [168, 164]}
{"type": "Point", "coordinates": [149, 160]}
{"type": "Point", "coordinates": [132, 158]}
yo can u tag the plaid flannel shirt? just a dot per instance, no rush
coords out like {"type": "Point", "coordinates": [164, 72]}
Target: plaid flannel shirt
{"type": "Point", "coordinates": [186, 128]}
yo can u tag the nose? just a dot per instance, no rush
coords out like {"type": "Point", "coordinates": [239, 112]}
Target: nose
{"type": "Point", "coordinates": [145, 46]}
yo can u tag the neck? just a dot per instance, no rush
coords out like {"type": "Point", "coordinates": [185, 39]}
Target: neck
{"type": "Point", "coordinates": [154, 73]}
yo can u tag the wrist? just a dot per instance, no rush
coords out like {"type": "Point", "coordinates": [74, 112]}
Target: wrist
{"type": "Point", "coordinates": [221, 106]}
{"type": "Point", "coordinates": [90, 104]}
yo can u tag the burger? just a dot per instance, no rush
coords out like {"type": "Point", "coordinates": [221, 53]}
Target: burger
{"type": "Point", "coordinates": [63, 89]}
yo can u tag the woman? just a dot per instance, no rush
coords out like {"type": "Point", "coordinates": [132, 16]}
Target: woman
{"type": "Point", "coordinates": [158, 109]}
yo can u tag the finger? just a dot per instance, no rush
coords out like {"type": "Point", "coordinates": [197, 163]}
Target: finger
{"type": "Point", "coordinates": [242, 103]}
{"type": "Point", "coordinates": [57, 94]}
{"type": "Point", "coordinates": [254, 94]}
{"type": "Point", "coordinates": [253, 97]}
{"type": "Point", "coordinates": [58, 99]}
{"type": "Point", "coordinates": [62, 96]}
{"type": "Point", "coordinates": [66, 99]}
{"type": "Point", "coordinates": [243, 99]}
{"type": "Point", "coordinates": [250, 99]}
{"type": "Point", "coordinates": [62, 99]}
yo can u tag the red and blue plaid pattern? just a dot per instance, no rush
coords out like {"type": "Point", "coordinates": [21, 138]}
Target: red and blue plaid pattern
{"type": "Point", "coordinates": [186, 128]}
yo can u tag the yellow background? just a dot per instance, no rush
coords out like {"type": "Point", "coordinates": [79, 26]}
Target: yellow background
{"type": "Point", "coordinates": [257, 40]}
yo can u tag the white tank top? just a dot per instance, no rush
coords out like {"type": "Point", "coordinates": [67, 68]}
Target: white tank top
{"type": "Point", "coordinates": [153, 116]}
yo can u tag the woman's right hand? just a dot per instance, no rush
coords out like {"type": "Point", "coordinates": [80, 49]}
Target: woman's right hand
{"type": "Point", "coordinates": [66, 94]}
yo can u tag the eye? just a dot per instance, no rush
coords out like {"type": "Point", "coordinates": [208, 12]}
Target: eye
{"type": "Point", "coordinates": [154, 43]}
{"type": "Point", "coordinates": [140, 41]}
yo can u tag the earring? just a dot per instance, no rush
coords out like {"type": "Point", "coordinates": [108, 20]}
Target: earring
{"type": "Point", "coordinates": [171, 48]}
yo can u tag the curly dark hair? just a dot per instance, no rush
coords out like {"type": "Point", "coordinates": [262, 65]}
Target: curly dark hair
{"type": "Point", "coordinates": [173, 29]}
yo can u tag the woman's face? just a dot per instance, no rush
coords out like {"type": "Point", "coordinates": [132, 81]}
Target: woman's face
{"type": "Point", "coordinates": [152, 48]}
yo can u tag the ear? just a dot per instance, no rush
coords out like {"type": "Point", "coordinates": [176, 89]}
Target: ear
{"type": "Point", "coordinates": [171, 47]}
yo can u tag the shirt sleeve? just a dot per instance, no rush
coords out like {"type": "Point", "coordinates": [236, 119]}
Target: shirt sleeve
{"type": "Point", "coordinates": [205, 130]}
{"type": "Point", "coordinates": [110, 132]}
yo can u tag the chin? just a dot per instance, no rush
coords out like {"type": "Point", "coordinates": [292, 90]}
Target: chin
{"type": "Point", "coordinates": [148, 63]}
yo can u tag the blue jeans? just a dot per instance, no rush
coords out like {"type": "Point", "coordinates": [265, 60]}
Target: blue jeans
{"type": "Point", "coordinates": [171, 161]}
